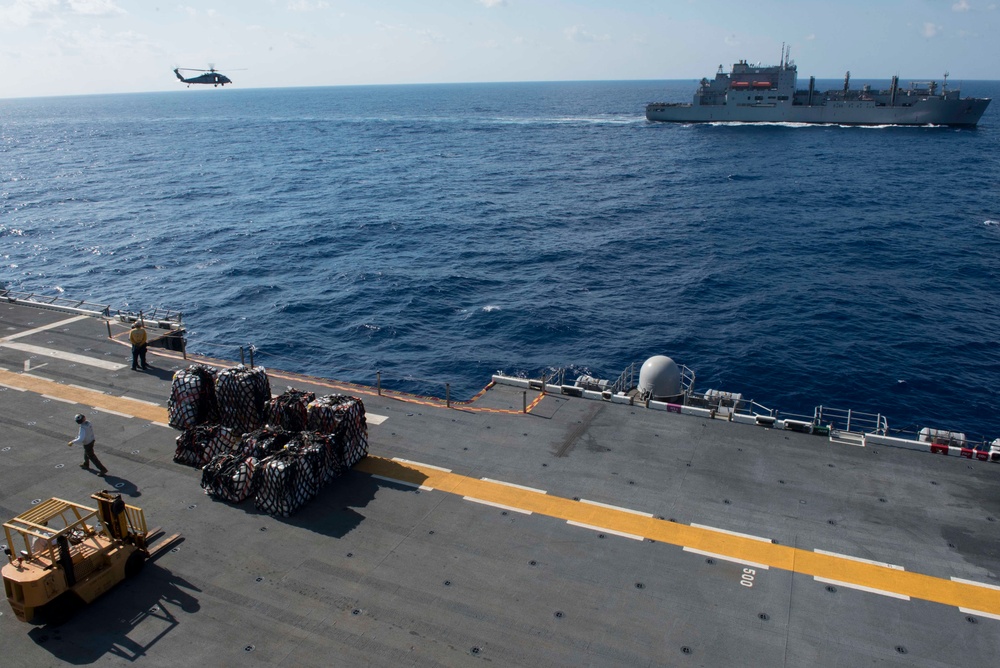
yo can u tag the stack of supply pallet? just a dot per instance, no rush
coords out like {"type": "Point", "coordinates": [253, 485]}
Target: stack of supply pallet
{"type": "Point", "coordinates": [307, 441]}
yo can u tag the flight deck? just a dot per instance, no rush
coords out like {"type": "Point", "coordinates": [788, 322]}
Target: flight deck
{"type": "Point", "coordinates": [518, 528]}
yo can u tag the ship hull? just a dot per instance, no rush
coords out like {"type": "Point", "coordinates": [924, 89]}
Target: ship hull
{"type": "Point", "coordinates": [961, 113]}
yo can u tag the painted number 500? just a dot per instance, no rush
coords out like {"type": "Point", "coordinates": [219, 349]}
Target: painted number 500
{"type": "Point", "coordinates": [747, 578]}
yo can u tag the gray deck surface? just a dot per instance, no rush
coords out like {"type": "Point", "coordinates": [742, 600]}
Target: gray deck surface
{"type": "Point", "coordinates": [373, 572]}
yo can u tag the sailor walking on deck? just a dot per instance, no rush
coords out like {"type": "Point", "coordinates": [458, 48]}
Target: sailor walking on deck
{"type": "Point", "coordinates": [86, 439]}
{"type": "Point", "coordinates": [137, 336]}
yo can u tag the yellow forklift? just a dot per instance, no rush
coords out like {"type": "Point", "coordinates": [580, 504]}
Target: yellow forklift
{"type": "Point", "coordinates": [62, 554]}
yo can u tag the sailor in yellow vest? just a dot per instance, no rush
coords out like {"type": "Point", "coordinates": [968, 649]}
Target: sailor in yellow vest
{"type": "Point", "coordinates": [138, 338]}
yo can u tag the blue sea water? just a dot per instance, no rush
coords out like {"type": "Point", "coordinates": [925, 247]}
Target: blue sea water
{"type": "Point", "coordinates": [440, 233]}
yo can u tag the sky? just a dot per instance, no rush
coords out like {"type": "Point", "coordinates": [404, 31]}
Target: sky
{"type": "Point", "coordinates": [77, 47]}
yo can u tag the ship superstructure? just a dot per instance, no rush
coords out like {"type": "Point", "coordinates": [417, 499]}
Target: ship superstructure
{"type": "Point", "coordinates": [756, 93]}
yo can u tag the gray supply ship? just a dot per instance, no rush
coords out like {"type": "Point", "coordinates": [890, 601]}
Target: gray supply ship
{"type": "Point", "coordinates": [767, 94]}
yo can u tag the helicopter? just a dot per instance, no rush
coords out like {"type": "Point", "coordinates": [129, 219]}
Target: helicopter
{"type": "Point", "coordinates": [210, 76]}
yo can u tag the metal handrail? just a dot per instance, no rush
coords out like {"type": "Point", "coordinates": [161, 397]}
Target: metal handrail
{"type": "Point", "coordinates": [56, 303]}
{"type": "Point", "coordinates": [850, 420]}
{"type": "Point", "coordinates": [628, 379]}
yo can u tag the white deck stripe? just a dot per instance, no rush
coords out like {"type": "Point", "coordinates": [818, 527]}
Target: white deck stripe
{"type": "Point", "coordinates": [410, 461]}
{"type": "Point", "coordinates": [609, 506]}
{"type": "Point", "coordinates": [61, 355]}
{"type": "Point", "coordinates": [704, 553]}
{"type": "Point", "coordinates": [403, 482]}
{"type": "Point", "coordinates": [864, 561]}
{"type": "Point", "coordinates": [604, 530]}
{"type": "Point", "coordinates": [141, 401]}
{"type": "Point", "coordinates": [731, 533]}
{"type": "Point", "coordinates": [374, 418]}
{"type": "Point", "coordinates": [43, 328]}
{"type": "Point", "coordinates": [11, 387]}
{"type": "Point", "coordinates": [871, 590]}
{"type": "Point", "coordinates": [511, 484]}
{"type": "Point", "coordinates": [161, 424]}
{"type": "Point", "coordinates": [98, 409]}
{"type": "Point", "coordinates": [974, 583]}
{"type": "Point", "coordinates": [970, 611]}
{"type": "Point", "coordinates": [89, 389]}
{"type": "Point", "coordinates": [65, 401]}
{"type": "Point", "coordinates": [497, 505]}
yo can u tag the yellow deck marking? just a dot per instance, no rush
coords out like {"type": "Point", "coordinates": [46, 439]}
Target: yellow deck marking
{"type": "Point", "coordinates": [985, 600]}
{"type": "Point", "coordinates": [795, 560]}
{"type": "Point", "coordinates": [99, 400]}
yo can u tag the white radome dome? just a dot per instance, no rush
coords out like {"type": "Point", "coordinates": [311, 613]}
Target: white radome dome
{"type": "Point", "coordinates": [660, 377]}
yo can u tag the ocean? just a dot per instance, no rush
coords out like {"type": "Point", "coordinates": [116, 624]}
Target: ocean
{"type": "Point", "coordinates": [441, 233]}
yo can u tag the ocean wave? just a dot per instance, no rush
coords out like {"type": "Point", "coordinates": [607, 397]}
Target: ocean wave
{"type": "Point", "coordinates": [399, 229]}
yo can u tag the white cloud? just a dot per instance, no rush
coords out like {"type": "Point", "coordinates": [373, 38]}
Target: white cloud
{"type": "Point", "coordinates": [426, 35]}
{"type": "Point", "coordinates": [578, 34]}
{"type": "Point", "coordinates": [95, 7]}
{"type": "Point", "coordinates": [493, 3]}
{"type": "Point", "coordinates": [811, 37]}
{"type": "Point", "coordinates": [307, 6]}
{"type": "Point", "coordinates": [299, 40]}
{"type": "Point", "coordinates": [931, 30]}
{"type": "Point", "coordinates": [961, 6]}
{"type": "Point", "coordinates": [23, 12]}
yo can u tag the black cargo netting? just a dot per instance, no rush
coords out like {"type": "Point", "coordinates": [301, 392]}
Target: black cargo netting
{"type": "Point", "coordinates": [288, 410]}
{"type": "Point", "coordinates": [262, 443]}
{"type": "Point", "coordinates": [195, 447]}
{"type": "Point", "coordinates": [192, 398]}
{"type": "Point", "coordinates": [243, 395]}
{"type": "Point", "coordinates": [229, 477]}
{"type": "Point", "coordinates": [332, 458]}
{"type": "Point", "coordinates": [342, 417]}
{"type": "Point", "coordinates": [287, 480]}
{"type": "Point", "coordinates": [307, 442]}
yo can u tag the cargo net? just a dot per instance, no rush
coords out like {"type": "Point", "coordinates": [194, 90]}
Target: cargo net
{"type": "Point", "coordinates": [197, 446]}
{"type": "Point", "coordinates": [229, 477]}
{"type": "Point", "coordinates": [243, 395]}
{"type": "Point", "coordinates": [192, 398]}
{"type": "Point", "coordinates": [288, 410]}
{"type": "Point", "coordinates": [343, 418]}
{"type": "Point", "coordinates": [262, 443]}
{"type": "Point", "coordinates": [287, 480]}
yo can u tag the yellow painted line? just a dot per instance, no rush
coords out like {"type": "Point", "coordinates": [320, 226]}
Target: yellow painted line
{"type": "Point", "coordinates": [94, 398]}
{"type": "Point", "coordinates": [984, 600]}
{"type": "Point", "coordinates": [795, 560]}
